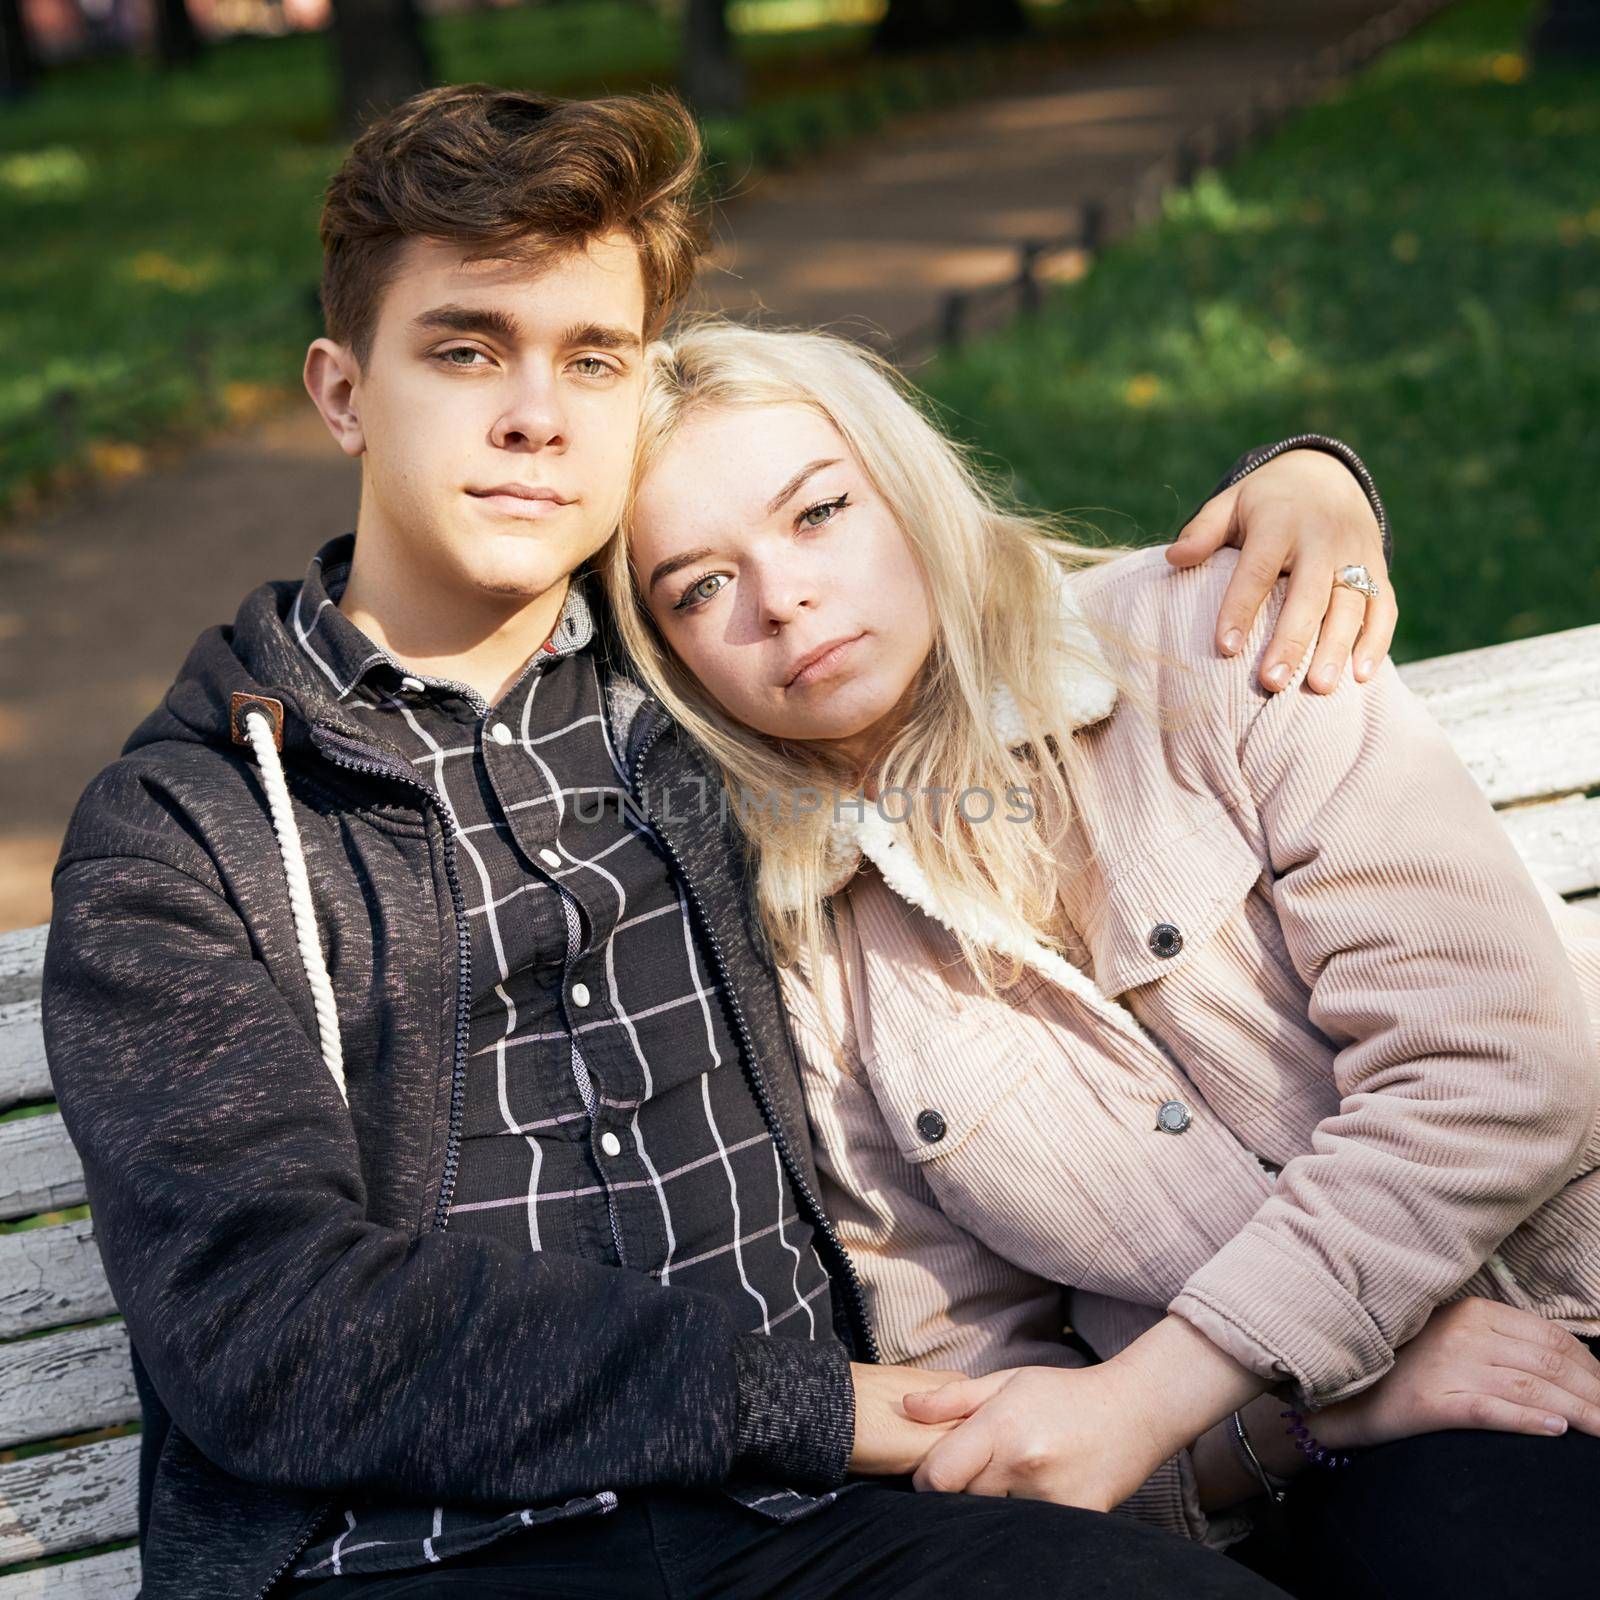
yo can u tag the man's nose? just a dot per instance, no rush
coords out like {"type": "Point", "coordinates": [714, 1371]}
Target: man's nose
{"type": "Point", "coordinates": [533, 417]}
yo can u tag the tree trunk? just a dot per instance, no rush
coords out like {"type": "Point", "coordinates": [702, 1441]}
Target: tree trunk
{"type": "Point", "coordinates": [16, 52]}
{"type": "Point", "coordinates": [178, 42]}
{"type": "Point", "coordinates": [932, 24]}
{"type": "Point", "coordinates": [709, 73]}
{"type": "Point", "coordinates": [382, 57]}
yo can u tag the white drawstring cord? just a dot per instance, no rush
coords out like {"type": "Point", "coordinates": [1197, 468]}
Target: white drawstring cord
{"type": "Point", "coordinates": [259, 730]}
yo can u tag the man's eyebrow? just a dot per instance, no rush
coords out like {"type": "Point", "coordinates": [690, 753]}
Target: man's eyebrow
{"type": "Point", "coordinates": [601, 336]}
{"type": "Point", "coordinates": [665, 569]}
{"type": "Point", "coordinates": [469, 319]}
{"type": "Point", "coordinates": [794, 483]}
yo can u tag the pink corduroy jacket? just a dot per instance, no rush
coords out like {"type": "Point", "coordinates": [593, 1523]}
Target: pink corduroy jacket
{"type": "Point", "coordinates": [1321, 1057]}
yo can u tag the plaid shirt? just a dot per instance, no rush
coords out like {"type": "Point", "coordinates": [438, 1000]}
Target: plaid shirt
{"type": "Point", "coordinates": [606, 1113]}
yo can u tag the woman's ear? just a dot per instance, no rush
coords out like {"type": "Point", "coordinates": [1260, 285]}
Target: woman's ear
{"type": "Point", "coordinates": [331, 376]}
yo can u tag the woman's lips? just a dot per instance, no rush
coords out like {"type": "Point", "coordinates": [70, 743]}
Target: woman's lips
{"type": "Point", "coordinates": [824, 665]}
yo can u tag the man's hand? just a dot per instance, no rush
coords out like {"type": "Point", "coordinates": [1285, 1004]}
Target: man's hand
{"type": "Point", "coordinates": [1477, 1364]}
{"type": "Point", "coordinates": [1302, 513]}
{"type": "Point", "coordinates": [889, 1443]}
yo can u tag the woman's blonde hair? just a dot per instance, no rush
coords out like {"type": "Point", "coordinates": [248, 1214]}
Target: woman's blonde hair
{"type": "Point", "coordinates": [993, 573]}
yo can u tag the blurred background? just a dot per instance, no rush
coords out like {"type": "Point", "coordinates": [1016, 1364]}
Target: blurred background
{"type": "Point", "coordinates": [1119, 241]}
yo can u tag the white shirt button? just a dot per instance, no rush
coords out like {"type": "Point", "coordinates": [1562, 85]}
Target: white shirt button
{"type": "Point", "coordinates": [412, 685]}
{"type": "Point", "coordinates": [611, 1144]}
{"type": "Point", "coordinates": [550, 858]}
{"type": "Point", "coordinates": [580, 994]}
{"type": "Point", "coordinates": [501, 734]}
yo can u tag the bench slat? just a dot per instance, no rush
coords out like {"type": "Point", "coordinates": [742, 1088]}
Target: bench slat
{"type": "Point", "coordinates": [52, 1504]}
{"type": "Point", "coordinates": [69, 1382]}
{"type": "Point", "coordinates": [21, 958]}
{"type": "Point", "coordinates": [23, 1072]}
{"type": "Point", "coordinates": [1524, 717]}
{"type": "Point", "coordinates": [114, 1576]}
{"type": "Point", "coordinates": [39, 1169]}
{"type": "Point", "coordinates": [50, 1277]}
{"type": "Point", "coordinates": [1560, 841]}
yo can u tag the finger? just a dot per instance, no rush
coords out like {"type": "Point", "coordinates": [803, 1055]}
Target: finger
{"type": "Point", "coordinates": [951, 1400]}
{"type": "Point", "coordinates": [1206, 531]}
{"type": "Point", "coordinates": [1539, 1394]}
{"type": "Point", "coordinates": [1378, 634]}
{"type": "Point", "coordinates": [1304, 608]}
{"type": "Point", "coordinates": [1346, 609]}
{"type": "Point", "coordinates": [1495, 1414]}
{"type": "Point", "coordinates": [955, 1460]}
{"type": "Point", "coordinates": [1260, 566]}
{"type": "Point", "coordinates": [1573, 1370]}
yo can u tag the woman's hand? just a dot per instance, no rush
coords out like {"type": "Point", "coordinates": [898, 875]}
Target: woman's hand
{"type": "Point", "coordinates": [1477, 1364]}
{"type": "Point", "coordinates": [1081, 1436]}
{"type": "Point", "coordinates": [1302, 513]}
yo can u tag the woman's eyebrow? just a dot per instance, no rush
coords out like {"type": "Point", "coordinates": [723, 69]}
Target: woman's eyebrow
{"type": "Point", "coordinates": [665, 569]}
{"type": "Point", "coordinates": [794, 483]}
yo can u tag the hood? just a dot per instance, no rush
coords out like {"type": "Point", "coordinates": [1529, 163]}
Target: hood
{"type": "Point", "coordinates": [257, 654]}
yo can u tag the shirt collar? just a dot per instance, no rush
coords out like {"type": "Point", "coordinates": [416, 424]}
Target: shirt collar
{"type": "Point", "coordinates": [354, 666]}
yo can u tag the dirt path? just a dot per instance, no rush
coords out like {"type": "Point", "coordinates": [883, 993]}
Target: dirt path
{"type": "Point", "coordinates": [100, 599]}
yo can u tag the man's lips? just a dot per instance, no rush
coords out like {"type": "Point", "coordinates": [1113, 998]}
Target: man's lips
{"type": "Point", "coordinates": [521, 499]}
{"type": "Point", "coordinates": [821, 661]}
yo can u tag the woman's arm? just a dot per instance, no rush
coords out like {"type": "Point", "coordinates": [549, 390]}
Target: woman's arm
{"type": "Point", "coordinates": [1466, 1076]}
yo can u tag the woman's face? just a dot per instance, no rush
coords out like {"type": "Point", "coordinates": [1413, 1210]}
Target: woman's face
{"type": "Point", "coordinates": [780, 578]}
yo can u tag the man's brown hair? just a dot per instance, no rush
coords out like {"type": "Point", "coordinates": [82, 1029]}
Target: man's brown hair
{"type": "Point", "coordinates": [510, 175]}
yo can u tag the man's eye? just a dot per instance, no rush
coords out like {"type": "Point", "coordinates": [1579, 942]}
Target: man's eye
{"type": "Point", "coordinates": [698, 593]}
{"type": "Point", "coordinates": [593, 366]}
{"type": "Point", "coordinates": [461, 356]}
{"type": "Point", "coordinates": [823, 511]}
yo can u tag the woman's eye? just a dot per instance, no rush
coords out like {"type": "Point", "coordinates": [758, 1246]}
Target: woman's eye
{"type": "Point", "coordinates": [699, 591]}
{"type": "Point", "coordinates": [823, 511]}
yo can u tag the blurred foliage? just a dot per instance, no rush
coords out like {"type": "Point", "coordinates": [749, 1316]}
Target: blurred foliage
{"type": "Point", "coordinates": [159, 281]}
{"type": "Point", "coordinates": [1413, 266]}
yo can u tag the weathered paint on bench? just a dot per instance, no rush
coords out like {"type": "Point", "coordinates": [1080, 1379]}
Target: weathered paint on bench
{"type": "Point", "coordinates": [1524, 717]}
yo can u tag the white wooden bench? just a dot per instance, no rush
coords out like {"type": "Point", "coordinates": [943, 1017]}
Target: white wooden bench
{"type": "Point", "coordinates": [1525, 718]}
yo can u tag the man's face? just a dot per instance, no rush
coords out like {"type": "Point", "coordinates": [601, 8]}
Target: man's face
{"type": "Point", "coordinates": [497, 411]}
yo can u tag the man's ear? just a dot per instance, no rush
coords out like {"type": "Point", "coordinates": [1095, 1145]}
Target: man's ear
{"type": "Point", "coordinates": [331, 374]}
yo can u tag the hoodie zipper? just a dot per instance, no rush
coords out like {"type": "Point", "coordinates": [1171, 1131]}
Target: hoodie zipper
{"type": "Point", "coordinates": [441, 1212]}
{"type": "Point", "coordinates": [818, 1218]}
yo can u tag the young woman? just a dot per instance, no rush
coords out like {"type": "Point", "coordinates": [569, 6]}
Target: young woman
{"type": "Point", "coordinates": [1225, 1027]}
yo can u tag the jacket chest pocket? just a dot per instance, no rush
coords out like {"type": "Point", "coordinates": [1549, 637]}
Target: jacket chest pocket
{"type": "Point", "coordinates": [1157, 908]}
{"type": "Point", "coordinates": [1017, 1148]}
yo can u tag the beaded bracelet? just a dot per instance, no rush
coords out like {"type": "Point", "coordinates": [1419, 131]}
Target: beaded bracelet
{"type": "Point", "coordinates": [1317, 1453]}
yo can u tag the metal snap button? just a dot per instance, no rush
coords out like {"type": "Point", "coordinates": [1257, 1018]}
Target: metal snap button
{"type": "Point", "coordinates": [1173, 1117]}
{"type": "Point", "coordinates": [1165, 940]}
{"type": "Point", "coordinates": [931, 1126]}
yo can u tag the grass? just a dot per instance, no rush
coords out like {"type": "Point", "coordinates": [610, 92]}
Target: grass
{"type": "Point", "coordinates": [1413, 266]}
{"type": "Point", "coordinates": [163, 286]}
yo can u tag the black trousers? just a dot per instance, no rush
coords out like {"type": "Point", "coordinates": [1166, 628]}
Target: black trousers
{"type": "Point", "coordinates": [1472, 1515]}
{"type": "Point", "coordinates": [875, 1542]}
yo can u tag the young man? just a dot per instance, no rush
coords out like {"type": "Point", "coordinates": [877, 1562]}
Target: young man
{"type": "Point", "coordinates": [438, 1114]}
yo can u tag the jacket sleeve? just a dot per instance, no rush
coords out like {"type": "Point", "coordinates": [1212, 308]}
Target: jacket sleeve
{"type": "Point", "coordinates": [1262, 454]}
{"type": "Point", "coordinates": [1467, 1082]}
{"type": "Point", "coordinates": [301, 1345]}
